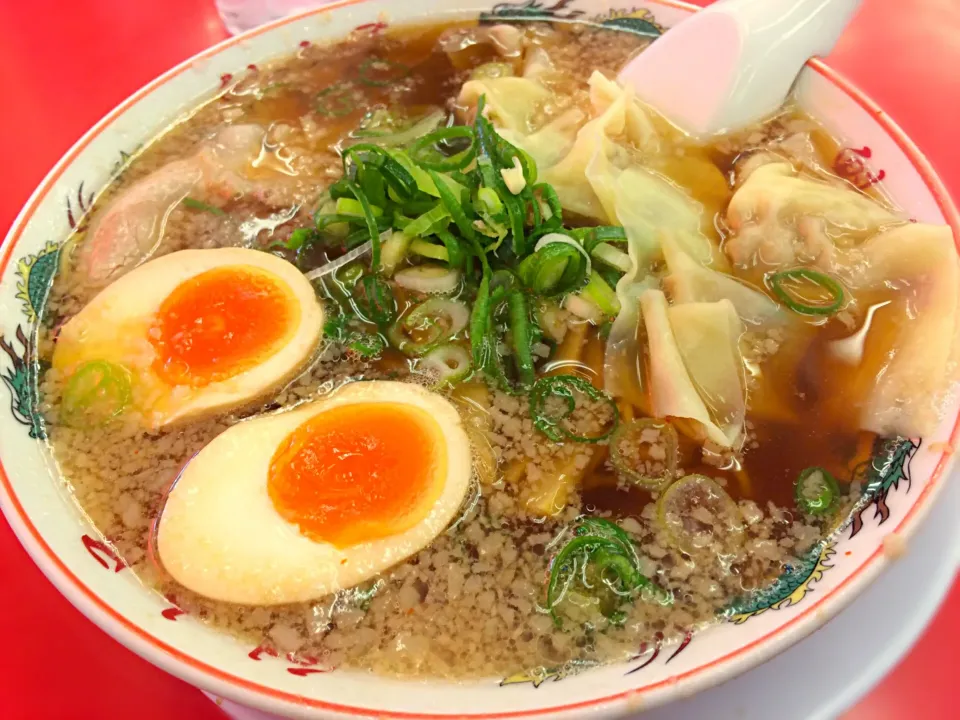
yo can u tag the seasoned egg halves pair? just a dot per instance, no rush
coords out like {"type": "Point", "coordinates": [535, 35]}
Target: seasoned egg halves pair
{"type": "Point", "coordinates": [281, 508]}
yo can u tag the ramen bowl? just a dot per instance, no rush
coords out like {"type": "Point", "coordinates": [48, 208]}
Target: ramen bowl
{"type": "Point", "coordinates": [86, 569]}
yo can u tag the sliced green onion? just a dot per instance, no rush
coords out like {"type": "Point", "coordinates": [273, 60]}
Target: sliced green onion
{"type": "Point", "coordinates": [400, 138]}
{"type": "Point", "coordinates": [453, 206]}
{"type": "Point", "coordinates": [424, 151]}
{"type": "Point", "coordinates": [627, 456]}
{"type": "Point", "coordinates": [96, 392]}
{"type": "Point", "coordinates": [611, 256]}
{"type": "Point", "coordinates": [489, 203]}
{"type": "Point", "coordinates": [494, 154]}
{"type": "Point", "coordinates": [429, 279]}
{"type": "Point", "coordinates": [558, 266]}
{"type": "Point", "coordinates": [610, 276]}
{"type": "Point", "coordinates": [335, 327]}
{"type": "Point", "coordinates": [429, 249]}
{"type": "Point", "coordinates": [600, 294]}
{"type": "Point", "coordinates": [342, 261]}
{"type": "Point", "coordinates": [504, 279]}
{"type": "Point", "coordinates": [372, 229]}
{"type": "Point", "coordinates": [372, 178]}
{"type": "Point", "coordinates": [366, 345]}
{"type": "Point", "coordinates": [787, 296]}
{"type": "Point", "coordinates": [348, 206]}
{"type": "Point", "coordinates": [421, 177]}
{"type": "Point", "coordinates": [427, 325]}
{"type": "Point", "coordinates": [520, 332]}
{"type": "Point", "coordinates": [338, 225]}
{"type": "Point", "coordinates": [456, 255]}
{"type": "Point", "coordinates": [349, 277]}
{"type": "Point", "coordinates": [569, 563]}
{"type": "Point", "coordinates": [514, 206]}
{"type": "Point", "coordinates": [394, 251]}
{"type": "Point", "coordinates": [381, 72]}
{"type": "Point", "coordinates": [429, 222]}
{"type": "Point", "coordinates": [337, 100]}
{"type": "Point", "coordinates": [201, 206]}
{"type": "Point", "coordinates": [479, 323]}
{"type": "Point", "coordinates": [683, 504]}
{"type": "Point", "coordinates": [592, 237]}
{"type": "Point", "coordinates": [553, 217]}
{"type": "Point", "coordinates": [563, 387]}
{"type": "Point", "coordinates": [299, 238]}
{"type": "Point", "coordinates": [394, 173]}
{"type": "Point", "coordinates": [493, 214]}
{"type": "Point", "coordinates": [449, 363]}
{"type": "Point", "coordinates": [603, 547]}
{"type": "Point", "coordinates": [817, 491]}
{"type": "Point", "coordinates": [374, 300]}
{"type": "Point", "coordinates": [608, 529]}
{"type": "Point", "coordinates": [376, 122]}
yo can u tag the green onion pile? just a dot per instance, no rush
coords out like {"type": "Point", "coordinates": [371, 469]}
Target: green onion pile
{"type": "Point", "coordinates": [457, 215]}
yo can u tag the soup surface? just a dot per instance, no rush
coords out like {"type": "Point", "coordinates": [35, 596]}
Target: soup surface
{"type": "Point", "coordinates": [663, 397]}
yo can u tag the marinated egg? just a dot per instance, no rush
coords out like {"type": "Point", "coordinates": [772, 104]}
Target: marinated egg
{"type": "Point", "coordinates": [192, 332]}
{"type": "Point", "coordinates": [289, 507]}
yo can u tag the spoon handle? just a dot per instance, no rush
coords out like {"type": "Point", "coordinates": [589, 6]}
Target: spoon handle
{"type": "Point", "coordinates": [733, 63]}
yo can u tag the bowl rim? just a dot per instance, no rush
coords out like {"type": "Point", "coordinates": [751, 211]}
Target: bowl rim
{"type": "Point", "coordinates": [202, 674]}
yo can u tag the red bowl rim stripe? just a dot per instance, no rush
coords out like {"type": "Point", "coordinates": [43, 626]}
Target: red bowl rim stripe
{"type": "Point", "coordinates": [64, 579]}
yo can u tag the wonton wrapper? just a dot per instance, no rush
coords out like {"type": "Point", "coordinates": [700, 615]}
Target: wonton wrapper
{"type": "Point", "coordinates": [920, 366]}
{"type": "Point", "coordinates": [510, 101]}
{"type": "Point", "coordinates": [695, 368]}
{"type": "Point", "coordinates": [688, 282]}
{"type": "Point", "coordinates": [781, 218]}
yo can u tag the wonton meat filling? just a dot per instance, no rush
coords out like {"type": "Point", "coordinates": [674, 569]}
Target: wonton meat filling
{"type": "Point", "coordinates": [435, 353]}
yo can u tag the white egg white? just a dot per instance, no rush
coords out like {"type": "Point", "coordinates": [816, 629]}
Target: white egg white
{"type": "Point", "coordinates": [220, 535]}
{"type": "Point", "coordinates": [114, 326]}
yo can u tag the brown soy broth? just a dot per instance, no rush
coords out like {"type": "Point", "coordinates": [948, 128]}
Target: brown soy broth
{"type": "Point", "coordinates": [420, 76]}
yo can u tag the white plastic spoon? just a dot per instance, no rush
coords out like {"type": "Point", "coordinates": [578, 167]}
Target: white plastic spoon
{"type": "Point", "coordinates": [733, 63]}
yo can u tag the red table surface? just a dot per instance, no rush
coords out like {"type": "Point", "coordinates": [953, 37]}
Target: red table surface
{"type": "Point", "coordinates": [65, 64]}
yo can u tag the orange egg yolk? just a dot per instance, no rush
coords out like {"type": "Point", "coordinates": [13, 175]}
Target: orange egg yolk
{"type": "Point", "coordinates": [359, 472]}
{"type": "Point", "coordinates": [221, 323]}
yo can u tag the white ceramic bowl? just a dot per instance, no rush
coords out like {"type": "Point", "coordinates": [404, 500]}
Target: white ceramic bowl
{"type": "Point", "coordinates": [82, 565]}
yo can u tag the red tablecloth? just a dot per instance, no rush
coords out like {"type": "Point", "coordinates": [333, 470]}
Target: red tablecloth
{"type": "Point", "coordinates": [63, 64]}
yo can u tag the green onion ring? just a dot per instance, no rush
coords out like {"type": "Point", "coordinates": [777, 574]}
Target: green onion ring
{"type": "Point", "coordinates": [668, 436]}
{"type": "Point", "coordinates": [96, 392]}
{"type": "Point", "coordinates": [372, 230]}
{"type": "Point", "coordinates": [820, 279]}
{"type": "Point", "coordinates": [424, 151]}
{"type": "Point", "coordinates": [374, 301]}
{"type": "Point", "coordinates": [820, 499]}
{"type": "Point", "coordinates": [335, 102]}
{"type": "Point", "coordinates": [369, 66]}
{"type": "Point", "coordinates": [562, 386]}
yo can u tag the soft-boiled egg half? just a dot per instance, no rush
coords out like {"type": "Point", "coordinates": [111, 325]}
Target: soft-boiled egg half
{"type": "Point", "coordinates": [289, 507]}
{"type": "Point", "coordinates": [192, 332]}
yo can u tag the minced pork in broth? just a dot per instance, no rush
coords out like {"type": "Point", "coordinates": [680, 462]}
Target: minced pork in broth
{"type": "Point", "coordinates": [473, 603]}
